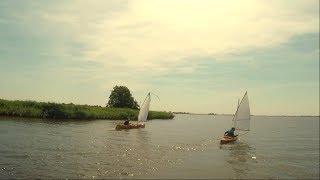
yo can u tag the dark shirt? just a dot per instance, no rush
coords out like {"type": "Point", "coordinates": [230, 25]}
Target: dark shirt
{"type": "Point", "coordinates": [230, 133]}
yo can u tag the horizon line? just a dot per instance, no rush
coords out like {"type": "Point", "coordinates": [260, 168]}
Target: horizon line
{"type": "Point", "coordinates": [175, 112]}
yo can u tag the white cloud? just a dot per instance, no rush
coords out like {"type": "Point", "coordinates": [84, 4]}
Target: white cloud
{"type": "Point", "coordinates": [149, 32]}
{"type": "Point", "coordinates": [151, 36]}
{"type": "Point", "coordinates": [157, 34]}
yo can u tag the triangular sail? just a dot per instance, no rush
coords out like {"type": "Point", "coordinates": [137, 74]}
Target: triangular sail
{"type": "Point", "coordinates": [241, 118]}
{"type": "Point", "coordinates": [144, 109]}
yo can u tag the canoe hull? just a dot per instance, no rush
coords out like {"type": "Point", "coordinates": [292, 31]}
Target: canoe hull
{"type": "Point", "coordinates": [227, 139]}
{"type": "Point", "coordinates": [130, 126]}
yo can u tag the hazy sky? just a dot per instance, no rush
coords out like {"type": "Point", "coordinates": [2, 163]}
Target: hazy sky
{"type": "Point", "coordinates": [196, 55]}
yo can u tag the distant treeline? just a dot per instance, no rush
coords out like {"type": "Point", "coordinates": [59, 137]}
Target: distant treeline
{"type": "Point", "coordinates": [50, 110]}
{"type": "Point", "coordinates": [181, 112]}
{"type": "Point", "coordinates": [194, 113]}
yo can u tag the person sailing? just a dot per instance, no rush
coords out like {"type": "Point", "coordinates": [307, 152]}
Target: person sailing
{"type": "Point", "coordinates": [127, 122]}
{"type": "Point", "coordinates": [230, 132]}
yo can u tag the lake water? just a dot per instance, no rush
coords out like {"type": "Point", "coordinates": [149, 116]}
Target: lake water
{"type": "Point", "coordinates": [185, 147]}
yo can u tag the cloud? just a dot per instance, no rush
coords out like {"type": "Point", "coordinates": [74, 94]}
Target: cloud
{"type": "Point", "coordinates": [136, 38]}
{"type": "Point", "coordinates": [150, 32]}
{"type": "Point", "coordinates": [160, 35]}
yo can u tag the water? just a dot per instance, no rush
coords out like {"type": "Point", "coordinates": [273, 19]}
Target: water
{"type": "Point", "coordinates": [185, 147]}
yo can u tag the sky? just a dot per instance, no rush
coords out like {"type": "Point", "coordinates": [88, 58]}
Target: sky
{"type": "Point", "coordinates": [198, 56]}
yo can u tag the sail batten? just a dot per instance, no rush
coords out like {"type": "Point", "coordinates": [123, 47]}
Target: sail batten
{"type": "Point", "coordinates": [144, 109]}
{"type": "Point", "coordinates": [241, 118]}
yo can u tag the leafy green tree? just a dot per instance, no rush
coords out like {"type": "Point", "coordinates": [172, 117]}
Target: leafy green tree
{"type": "Point", "coordinates": [121, 97]}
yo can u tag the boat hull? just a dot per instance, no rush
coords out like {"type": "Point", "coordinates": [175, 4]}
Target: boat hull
{"type": "Point", "coordinates": [130, 126]}
{"type": "Point", "coordinates": [228, 139]}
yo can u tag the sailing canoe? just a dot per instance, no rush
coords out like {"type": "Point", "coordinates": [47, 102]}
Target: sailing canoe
{"type": "Point", "coordinates": [142, 117]}
{"type": "Point", "coordinates": [130, 126]}
{"type": "Point", "coordinates": [241, 119]}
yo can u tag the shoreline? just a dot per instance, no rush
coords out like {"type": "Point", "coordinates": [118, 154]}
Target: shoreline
{"type": "Point", "coordinates": [250, 115]}
{"type": "Point", "coordinates": [62, 111]}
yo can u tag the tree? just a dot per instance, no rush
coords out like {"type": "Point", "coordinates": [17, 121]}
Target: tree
{"type": "Point", "coordinates": [121, 97]}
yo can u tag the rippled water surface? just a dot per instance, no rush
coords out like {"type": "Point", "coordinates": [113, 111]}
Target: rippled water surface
{"type": "Point", "coordinates": [185, 147]}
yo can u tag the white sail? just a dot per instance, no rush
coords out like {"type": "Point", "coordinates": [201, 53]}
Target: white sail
{"type": "Point", "coordinates": [241, 118]}
{"type": "Point", "coordinates": [144, 109]}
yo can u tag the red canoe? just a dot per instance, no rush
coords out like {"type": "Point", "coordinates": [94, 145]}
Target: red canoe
{"type": "Point", "coordinates": [130, 126]}
{"type": "Point", "coordinates": [227, 139]}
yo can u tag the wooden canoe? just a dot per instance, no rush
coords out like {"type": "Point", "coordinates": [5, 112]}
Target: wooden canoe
{"type": "Point", "coordinates": [130, 126]}
{"type": "Point", "coordinates": [227, 139]}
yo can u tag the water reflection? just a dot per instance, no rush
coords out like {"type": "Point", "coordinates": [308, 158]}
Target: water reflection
{"type": "Point", "coordinates": [141, 141]}
{"type": "Point", "coordinates": [239, 158]}
{"type": "Point", "coordinates": [134, 153]}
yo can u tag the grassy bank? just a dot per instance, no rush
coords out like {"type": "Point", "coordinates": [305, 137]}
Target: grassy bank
{"type": "Point", "coordinates": [35, 109]}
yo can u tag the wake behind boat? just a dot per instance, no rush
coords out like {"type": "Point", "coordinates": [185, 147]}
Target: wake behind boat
{"type": "Point", "coordinates": [241, 121]}
{"type": "Point", "coordinates": [142, 117]}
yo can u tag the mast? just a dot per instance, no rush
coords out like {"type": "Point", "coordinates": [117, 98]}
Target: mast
{"type": "Point", "coordinates": [235, 114]}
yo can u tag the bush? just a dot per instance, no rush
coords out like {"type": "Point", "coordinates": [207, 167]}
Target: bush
{"type": "Point", "coordinates": [52, 110]}
{"type": "Point", "coordinates": [121, 97]}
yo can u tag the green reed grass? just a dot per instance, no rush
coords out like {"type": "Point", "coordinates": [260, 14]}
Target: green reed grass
{"type": "Point", "coordinates": [50, 110]}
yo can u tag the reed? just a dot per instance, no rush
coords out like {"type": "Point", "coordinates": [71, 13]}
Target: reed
{"type": "Point", "coordinates": [49, 110]}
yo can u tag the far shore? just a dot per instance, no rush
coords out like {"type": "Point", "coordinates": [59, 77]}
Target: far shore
{"type": "Point", "coordinates": [49, 110]}
{"type": "Point", "coordinates": [217, 114]}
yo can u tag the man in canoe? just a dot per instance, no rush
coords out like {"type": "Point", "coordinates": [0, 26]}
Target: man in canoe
{"type": "Point", "coordinates": [127, 122]}
{"type": "Point", "coordinates": [230, 133]}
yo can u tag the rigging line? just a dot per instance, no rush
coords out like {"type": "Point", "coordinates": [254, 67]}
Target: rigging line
{"type": "Point", "coordinates": [155, 95]}
{"type": "Point", "coordinates": [161, 106]}
{"type": "Point", "coordinates": [234, 116]}
{"type": "Point", "coordinates": [144, 100]}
